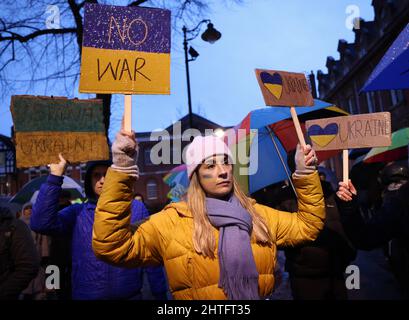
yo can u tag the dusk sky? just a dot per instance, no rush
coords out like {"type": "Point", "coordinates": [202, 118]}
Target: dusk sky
{"type": "Point", "coordinates": [292, 35]}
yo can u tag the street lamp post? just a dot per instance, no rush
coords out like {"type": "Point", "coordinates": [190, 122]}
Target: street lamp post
{"type": "Point", "coordinates": [211, 35]}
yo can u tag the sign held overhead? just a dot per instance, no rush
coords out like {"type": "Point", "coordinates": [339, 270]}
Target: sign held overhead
{"type": "Point", "coordinates": [45, 127]}
{"type": "Point", "coordinates": [125, 50]}
{"type": "Point", "coordinates": [281, 88]}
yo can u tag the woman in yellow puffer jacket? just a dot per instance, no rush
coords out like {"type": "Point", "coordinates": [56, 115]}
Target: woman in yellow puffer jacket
{"type": "Point", "coordinates": [218, 244]}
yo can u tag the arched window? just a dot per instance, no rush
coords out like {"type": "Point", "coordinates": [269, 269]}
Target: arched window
{"type": "Point", "coordinates": [152, 190]}
{"type": "Point", "coordinates": [7, 157]}
{"type": "Point", "coordinates": [7, 164]}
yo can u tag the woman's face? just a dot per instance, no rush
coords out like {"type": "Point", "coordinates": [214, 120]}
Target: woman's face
{"type": "Point", "coordinates": [98, 178]}
{"type": "Point", "coordinates": [27, 212]}
{"type": "Point", "coordinates": [216, 176]}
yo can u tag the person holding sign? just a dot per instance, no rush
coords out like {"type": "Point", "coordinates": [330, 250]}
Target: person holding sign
{"type": "Point", "coordinates": [390, 222]}
{"type": "Point", "coordinates": [219, 244]}
{"type": "Point", "coordinates": [316, 269]}
{"type": "Point", "coordinates": [92, 279]}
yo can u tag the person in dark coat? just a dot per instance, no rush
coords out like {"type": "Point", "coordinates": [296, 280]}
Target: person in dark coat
{"type": "Point", "coordinates": [60, 253]}
{"type": "Point", "coordinates": [390, 222]}
{"type": "Point", "coordinates": [37, 290]}
{"type": "Point", "coordinates": [19, 259]}
{"type": "Point", "coordinates": [317, 269]}
{"type": "Point", "coordinates": [92, 279]}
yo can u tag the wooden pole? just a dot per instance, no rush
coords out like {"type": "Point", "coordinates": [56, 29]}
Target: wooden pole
{"type": "Point", "coordinates": [297, 127]}
{"type": "Point", "coordinates": [128, 113]}
{"type": "Point", "coordinates": [345, 165]}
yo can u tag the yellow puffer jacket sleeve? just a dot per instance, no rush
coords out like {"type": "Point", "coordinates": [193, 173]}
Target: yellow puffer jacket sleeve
{"type": "Point", "coordinates": [113, 240]}
{"type": "Point", "coordinates": [290, 229]}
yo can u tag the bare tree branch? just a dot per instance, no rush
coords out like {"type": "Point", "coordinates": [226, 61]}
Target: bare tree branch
{"type": "Point", "coordinates": [50, 57]}
{"type": "Point", "coordinates": [78, 21]}
{"type": "Point", "coordinates": [136, 3]}
{"type": "Point", "coordinates": [20, 38]}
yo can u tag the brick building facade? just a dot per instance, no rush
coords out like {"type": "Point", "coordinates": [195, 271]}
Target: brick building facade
{"type": "Point", "coordinates": [346, 76]}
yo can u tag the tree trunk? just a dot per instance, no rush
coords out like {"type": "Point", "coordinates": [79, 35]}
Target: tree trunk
{"type": "Point", "coordinates": [106, 106]}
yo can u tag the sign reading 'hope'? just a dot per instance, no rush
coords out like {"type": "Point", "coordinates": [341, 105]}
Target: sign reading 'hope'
{"type": "Point", "coordinates": [125, 50]}
{"type": "Point", "coordinates": [349, 132]}
{"type": "Point", "coordinates": [281, 88]}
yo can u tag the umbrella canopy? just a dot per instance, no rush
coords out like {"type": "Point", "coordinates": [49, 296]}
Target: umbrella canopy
{"type": "Point", "coordinates": [392, 72]}
{"type": "Point", "coordinates": [27, 192]}
{"type": "Point", "coordinates": [178, 181]}
{"type": "Point", "coordinates": [398, 150]}
{"type": "Point", "coordinates": [268, 135]}
{"type": "Point", "coordinates": [177, 175]}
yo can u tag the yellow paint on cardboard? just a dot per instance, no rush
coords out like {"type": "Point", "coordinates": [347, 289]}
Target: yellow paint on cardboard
{"type": "Point", "coordinates": [323, 140]}
{"type": "Point", "coordinates": [41, 148]}
{"type": "Point", "coordinates": [123, 71]}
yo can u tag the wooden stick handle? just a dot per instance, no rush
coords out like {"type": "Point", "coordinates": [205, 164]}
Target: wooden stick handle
{"type": "Point", "coordinates": [297, 127]}
{"type": "Point", "coordinates": [345, 169]}
{"type": "Point", "coordinates": [128, 113]}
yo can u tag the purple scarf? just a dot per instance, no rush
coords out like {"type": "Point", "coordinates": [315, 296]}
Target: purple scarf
{"type": "Point", "coordinates": [238, 272]}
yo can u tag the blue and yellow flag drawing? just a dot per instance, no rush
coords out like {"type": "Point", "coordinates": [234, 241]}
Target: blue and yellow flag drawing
{"type": "Point", "coordinates": [125, 50]}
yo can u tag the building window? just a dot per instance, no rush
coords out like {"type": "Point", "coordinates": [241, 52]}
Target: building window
{"type": "Point", "coordinates": [352, 105]}
{"type": "Point", "coordinates": [380, 101]}
{"type": "Point", "coordinates": [370, 102]}
{"type": "Point", "coordinates": [6, 159]}
{"type": "Point", "coordinates": [147, 157]}
{"type": "Point", "coordinates": [82, 173]}
{"type": "Point", "coordinates": [152, 190]}
{"type": "Point", "coordinates": [397, 96]}
{"type": "Point", "coordinates": [4, 187]}
{"type": "Point", "coordinates": [176, 155]}
{"type": "Point", "coordinates": [2, 162]}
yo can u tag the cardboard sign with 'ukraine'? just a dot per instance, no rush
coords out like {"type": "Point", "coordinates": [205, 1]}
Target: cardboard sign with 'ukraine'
{"type": "Point", "coordinates": [45, 127]}
{"type": "Point", "coordinates": [280, 88]}
{"type": "Point", "coordinates": [125, 50]}
{"type": "Point", "coordinates": [350, 132]}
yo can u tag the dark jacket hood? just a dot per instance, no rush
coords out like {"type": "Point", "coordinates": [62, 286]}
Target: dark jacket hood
{"type": "Point", "coordinates": [89, 190]}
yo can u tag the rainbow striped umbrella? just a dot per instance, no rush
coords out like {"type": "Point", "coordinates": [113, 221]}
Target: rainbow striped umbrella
{"type": "Point", "coordinates": [178, 182]}
{"type": "Point", "coordinates": [398, 150]}
{"type": "Point", "coordinates": [265, 138]}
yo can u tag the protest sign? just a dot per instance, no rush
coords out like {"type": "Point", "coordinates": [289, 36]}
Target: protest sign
{"type": "Point", "coordinates": [281, 88]}
{"type": "Point", "coordinates": [349, 132]}
{"type": "Point", "coordinates": [125, 50]}
{"type": "Point", "coordinates": [47, 126]}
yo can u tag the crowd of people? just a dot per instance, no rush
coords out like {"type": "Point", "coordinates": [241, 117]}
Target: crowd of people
{"type": "Point", "coordinates": [216, 243]}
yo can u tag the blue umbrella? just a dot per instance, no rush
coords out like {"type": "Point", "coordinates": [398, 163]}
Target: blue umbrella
{"type": "Point", "coordinates": [392, 72]}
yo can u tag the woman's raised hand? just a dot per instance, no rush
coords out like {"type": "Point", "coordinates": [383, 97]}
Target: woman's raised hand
{"type": "Point", "coordinates": [305, 160]}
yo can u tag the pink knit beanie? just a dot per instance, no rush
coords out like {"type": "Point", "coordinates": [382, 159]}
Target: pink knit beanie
{"type": "Point", "coordinates": [202, 148]}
